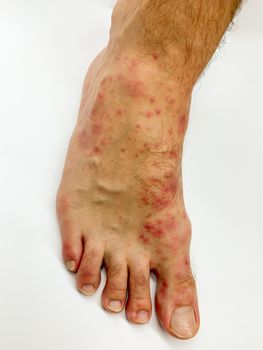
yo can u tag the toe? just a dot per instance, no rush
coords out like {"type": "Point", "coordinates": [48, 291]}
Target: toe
{"type": "Point", "coordinates": [176, 300]}
{"type": "Point", "coordinates": [88, 276]}
{"type": "Point", "coordinates": [139, 306]}
{"type": "Point", "coordinates": [114, 293]}
{"type": "Point", "coordinates": [72, 248]}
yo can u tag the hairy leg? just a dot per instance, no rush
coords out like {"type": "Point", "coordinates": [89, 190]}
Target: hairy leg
{"type": "Point", "coordinates": [120, 203]}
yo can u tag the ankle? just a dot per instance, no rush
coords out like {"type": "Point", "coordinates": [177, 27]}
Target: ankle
{"type": "Point", "coordinates": [142, 76]}
{"type": "Point", "coordinates": [129, 37]}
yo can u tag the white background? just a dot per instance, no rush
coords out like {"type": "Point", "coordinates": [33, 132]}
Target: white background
{"type": "Point", "coordinates": [45, 49]}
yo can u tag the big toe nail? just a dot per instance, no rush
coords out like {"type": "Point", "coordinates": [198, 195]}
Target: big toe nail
{"type": "Point", "coordinates": [183, 322]}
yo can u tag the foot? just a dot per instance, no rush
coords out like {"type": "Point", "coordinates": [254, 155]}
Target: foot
{"type": "Point", "coordinates": [120, 202]}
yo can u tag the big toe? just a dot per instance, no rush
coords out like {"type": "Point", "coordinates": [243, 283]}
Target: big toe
{"type": "Point", "coordinates": [176, 302]}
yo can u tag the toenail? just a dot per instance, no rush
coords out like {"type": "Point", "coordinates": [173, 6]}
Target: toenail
{"type": "Point", "coordinates": [115, 305]}
{"type": "Point", "coordinates": [71, 265]}
{"type": "Point", "coordinates": [183, 322]}
{"type": "Point", "coordinates": [142, 316]}
{"type": "Point", "coordinates": [88, 289]}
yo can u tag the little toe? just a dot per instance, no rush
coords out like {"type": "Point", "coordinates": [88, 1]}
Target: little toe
{"type": "Point", "coordinates": [176, 302]}
{"type": "Point", "coordinates": [88, 276]}
{"type": "Point", "coordinates": [139, 306]}
{"type": "Point", "coordinates": [114, 294]}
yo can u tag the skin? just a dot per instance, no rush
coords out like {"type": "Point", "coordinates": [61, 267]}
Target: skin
{"type": "Point", "coordinates": [120, 202]}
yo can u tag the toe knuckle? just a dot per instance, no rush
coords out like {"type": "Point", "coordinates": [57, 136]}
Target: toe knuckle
{"type": "Point", "coordinates": [88, 273]}
{"type": "Point", "coordinates": [185, 281]}
{"type": "Point", "coordinates": [67, 249]}
{"type": "Point", "coordinates": [113, 288]}
{"type": "Point", "coordinates": [141, 279]}
{"type": "Point", "coordinates": [115, 270]}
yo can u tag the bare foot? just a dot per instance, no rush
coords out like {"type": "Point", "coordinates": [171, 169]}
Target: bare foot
{"type": "Point", "coordinates": [120, 203]}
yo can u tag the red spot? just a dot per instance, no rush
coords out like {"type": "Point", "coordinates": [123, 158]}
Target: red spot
{"type": "Point", "coordinates": [146, 146]}
{"type": "Point", "coordinates": [149, 114]}
{"type": "Point", "coordinates": [155, 230]}
{"type": "Point", "coordinates": [135, 88]}
{"type": "Point", "coordinates": [170, 100]}
{"type": "Point", "coordinates": [119, 112]}
{"type": "Point", "coordinates": [143, 238]}
{"type": "Point", "coordinates": [170, 224]}
{"type": "Point", "coordinates": [96, 129]}
{"type": "Point", "coordinates": [155, 56]}
{"type": "Point", "coordinates": [182, 124]}
{"type": "Point", "coordinates": [133, 64]}
{"type": "Point", "coordinates": [97, 150]}
{"type": "Point", "coordinates": [145, 199]}
{"type": "Point", "coordinates": [101, 96]}
{"type": "Point", "coordinates": [187, 262]}
{"type": "Point", "coordinates": [158, 111]}
{"type": "Point", "coordinates": [157, 306]}
{"type": "Point", "coordinates": [138, 126]}
{"type": "Point", "coordinates": [152, 100]}
{"type": "Point", "coordinates": [163, 289]}
{"type": "Point", "coordinates": [83, 139]}
{"type": "Point", "coordinates": [174, 154]}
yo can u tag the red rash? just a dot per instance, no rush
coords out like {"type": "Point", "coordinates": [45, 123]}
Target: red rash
{"type": "Point", "coordinates": [97, 150]}
{"type": "Point", "coordinates": [155, 56]}
{"type": "Point", "coordinates": [135, 88]}
{"type": "Point", "coordinates": [83, 139]}
{"type": "Point", "coordinates": [182, 123]}
{"type": "Point", "coordinates": [119, 112]}
{"type": "Point", "coordinates": [163, 289]}
{"type": "Point", "coordinates": [143, 238]}
{"type": "Point", "coordinates": [158, 111]}
{"type": "Point", "coordinates": [101, 96]}
{"type": "Point", "coordinates": [96, 129]}
{"type": "Point", "coordinates": [154, 229]}
{"type": "Point", "coordinates": [149, 114]}
{"type": "Point", "coordinates": [158, 200]}
{"type": "Point", "coordinates": [170, 100]}
{"type": "Point", "coordinates": [133, 65]}
{"type": "Point", "coordinates": [159, 227]}
{"type": "Point", "coordinates": [187, 262]}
